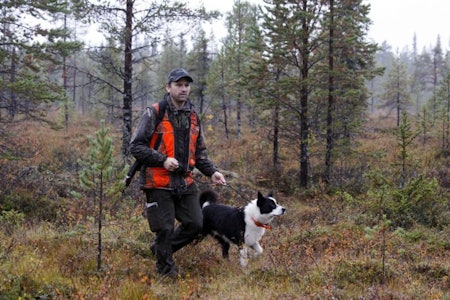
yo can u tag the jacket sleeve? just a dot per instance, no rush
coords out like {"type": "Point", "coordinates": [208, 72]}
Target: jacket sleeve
{"type": "Point", "coordinates": [202, 163]}
{"type": "Point", "coordinates": [140, 142]}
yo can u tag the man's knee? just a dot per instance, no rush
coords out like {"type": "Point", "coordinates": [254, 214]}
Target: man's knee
{"type": "Point", "coordinates": [197, 226]}
{"type": "Point", "coordinates": [194, 227]}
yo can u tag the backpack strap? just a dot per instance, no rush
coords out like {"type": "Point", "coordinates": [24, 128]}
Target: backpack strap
{"type": "Point", "coordinates": [160, 109]}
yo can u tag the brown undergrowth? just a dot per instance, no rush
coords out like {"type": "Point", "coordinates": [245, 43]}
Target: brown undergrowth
{"type": "Point", "coordinates": [329, 245]}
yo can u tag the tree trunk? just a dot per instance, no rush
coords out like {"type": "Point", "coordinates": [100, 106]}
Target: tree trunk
{"type": "Point", "coordinates": [304, 133]}
{"type": "Point", "coordinates": [446, 116]}
{"type": "Point", "coordinates": [64, 75]}
{"type": "Point", "coordinates": [224, 105]}
{"type": "Point", "coordinates": [330, 111]}
{"type": "Point", "coordinates": [304, 123]}
{"type": "Point", "coordinates": [12, 110]}
{"type": "Point", "coordinates": [127, 83]}
{"type": "Point", "coordinates": [276, 126]}
{"type": "Point", "coordinates": [99, 233]}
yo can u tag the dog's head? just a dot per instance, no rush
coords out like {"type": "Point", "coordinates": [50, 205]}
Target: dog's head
{"type": "Point", "coordinates": [268, 206]}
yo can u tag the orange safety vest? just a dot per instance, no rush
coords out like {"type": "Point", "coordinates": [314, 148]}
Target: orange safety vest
{"type": "Point", "coordinates": [163, 141]}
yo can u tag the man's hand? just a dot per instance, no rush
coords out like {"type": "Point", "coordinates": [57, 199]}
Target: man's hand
{"type": "Point", "coordinates": [218, 178]}
{"type": "Point", "coordinates": [171, 164]}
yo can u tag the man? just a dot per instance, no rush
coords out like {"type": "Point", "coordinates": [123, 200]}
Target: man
{"type": "Point", "coordinates": [169, 143]}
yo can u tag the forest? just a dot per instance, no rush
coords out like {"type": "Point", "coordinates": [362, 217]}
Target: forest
{"type": "Point", "coordinates": [350, 135]}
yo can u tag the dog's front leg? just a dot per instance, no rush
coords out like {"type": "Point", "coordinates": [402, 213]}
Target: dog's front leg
{"type": "Point", "coordinates": [257, 250]}
{"type": "Point", "coordinates": [243, 256]}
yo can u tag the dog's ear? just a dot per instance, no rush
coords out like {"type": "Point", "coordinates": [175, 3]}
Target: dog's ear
{"type": "Point", "coordinates": [260, 198]}
{"type": "Point", "coordinates": [270, 194]}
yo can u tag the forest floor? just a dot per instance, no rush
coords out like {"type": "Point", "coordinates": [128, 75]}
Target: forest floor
{"type": "Point", "coordinates": [324, 247]}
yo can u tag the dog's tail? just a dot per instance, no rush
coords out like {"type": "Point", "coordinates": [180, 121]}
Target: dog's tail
{"type": "Point", "coordinates": [208, 197]}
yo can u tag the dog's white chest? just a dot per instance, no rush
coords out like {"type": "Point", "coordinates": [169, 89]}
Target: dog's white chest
{"type": "Point", "coordinates": [253, 234]}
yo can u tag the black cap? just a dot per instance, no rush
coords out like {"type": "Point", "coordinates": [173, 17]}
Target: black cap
{"type": "Point", "coordinates": [177, 74]}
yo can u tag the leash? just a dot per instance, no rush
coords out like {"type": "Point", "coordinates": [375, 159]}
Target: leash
{"type": "Point", "coordinates": [238, 192]}
{"type": "Point", "coordinates": [227, 185]}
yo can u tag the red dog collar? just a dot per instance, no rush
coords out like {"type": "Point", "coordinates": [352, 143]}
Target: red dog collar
{"type": "Point", "coordinates": [259, 224]}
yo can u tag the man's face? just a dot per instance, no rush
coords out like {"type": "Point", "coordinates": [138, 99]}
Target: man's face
{"type": "Point", "coordinates": [179, 90]}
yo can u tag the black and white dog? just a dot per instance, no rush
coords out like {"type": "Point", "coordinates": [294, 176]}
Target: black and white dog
{"type": "Point", "coordinates": [243, 226]}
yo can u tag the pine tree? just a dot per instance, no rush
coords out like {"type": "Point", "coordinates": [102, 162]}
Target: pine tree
{"type": "Point", "coordinates": [217, 86]}
{"type": "Point", "coordinates": [443, 108]}
{"type": "Point", "coordinates": [101, 178]}
{"type": "Point", "coordinates": [437, 74]}
{"type": "Point", "coordinates": [27, 52]}
{"type": "Point", "coordinates": [396, 94]}
{"type": "Point", "coordinates": [267, 68]}
{"type": "Point", "coordinates": [124, 24]}
{"type": "Point", "coordinates": [405, 138]}
{"type": "Point", "coordinates": [107, 96]}
{"type": "Point", "coordinates": [199, 62]}
{"type": "Point", "coordinates": [294, 27]}
{"type": "Point", "coordinates": [423, 78]}
{"type": "Point", "coordinates": [348, 65]}
{"type": "Point", "coordinates": [239, 25]}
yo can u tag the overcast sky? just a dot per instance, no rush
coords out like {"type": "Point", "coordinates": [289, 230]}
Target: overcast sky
{"type": "Point", "coordinates": [394, 21]}
{"type": "Point", "coordinates": [397, 21]}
